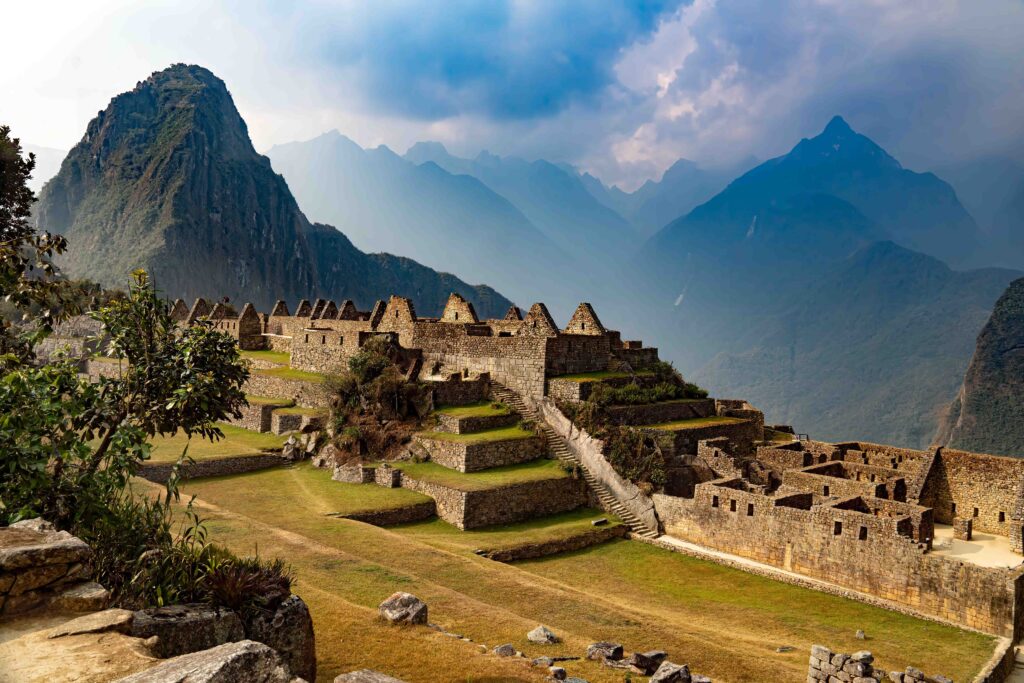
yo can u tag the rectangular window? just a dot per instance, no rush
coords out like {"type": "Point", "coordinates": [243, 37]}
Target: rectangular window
{"type": "Point", "coordinates": [750, 509]}
{"type": "Point", "coordinates": [837, 528]}
{"type": "Point", "coordinates": [863, 535]}
{"type": "Point", "coordinates": [975, 512]}
{"type": "Point", "coordinates": [952, 508]}
{"type": "Point", "coordinates": [732, 505]}
{"type": "Point", "coordinates": [714, 501]}
{"type": "Point", "coordinates": [824, 490]}
{"type": "Point", "coordinates": [323, 338]}
{"type": "Point", "coordinates": [1002, 517]}
{"type": "Point", "coordinates": [341, 341]}
{"type": "Point", "coordinates": [307, 338]}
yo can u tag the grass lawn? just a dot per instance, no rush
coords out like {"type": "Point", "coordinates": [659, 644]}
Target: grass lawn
{"type": "Point", "coordinates": [291, 373]}
{"type": "Point", "coordinates": [724, 623]}
{"type": "Point", "coordinates": [778, 437]}
{"type": "Point", "coordinates": [500, 434]}
{"type": "Point", "coordinates": [236, 441]}
{"type": "Point", "coordinates": [280, 357]}
{"type": "Point", "coordinates": [599, 375]}
{"type": "Point", "coordinates": [481, 409]}
{"type": "Point", "coordinates": [440, 534]}
{"type": "Point", "coordinates": [695, 422]}
{"type": "Point", "coordinates": [105, 359]}
{"type": "Point", "coordinates": [301, 410]}
{"type": "Point", "coordinates": [268, 401]}
{"type": "Point", "coordinates": [495, 477]}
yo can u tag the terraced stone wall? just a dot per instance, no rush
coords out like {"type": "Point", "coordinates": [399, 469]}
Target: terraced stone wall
{"type": "Point", "coordinates": [214, 467]}
{"type": "Point", "coordinates": [474, 457]}
{"type": "Point", "coordinates": [475, 423]}
{"type": "Point", "coordinates": [861, 552]}
{"type": "Point", "coordinates": [666, 411]}
{"type": "Point", "coordinates": [684, 442]}
{"type": "Point", "coordinates": [312, 394]}
{"type": "Point", "coordinates": [461, 392]}
{"type": "Point", "coordinates": [255, 417]}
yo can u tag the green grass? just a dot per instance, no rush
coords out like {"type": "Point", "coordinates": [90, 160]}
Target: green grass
{"type": "Point", "coordinates": [301, 410]}
{"type": "Point", "coordinates": [280, 357]}
{"type": "Point", "coordinates": [481, 409]}
{"type": "Point", "coordinates": [511, 432]}
{"type": "Point", "coordinates": [440, 534]}
{"type": "Point", "coordinates": [694, 423]}
{"type": "Point", "coordinates": [495, 477]}
{"type": "Point", "coordinates": [236, 441]}
{"type": "Point", "coordinates": [104, 359]}
{"type": "Point", "coordinates": [724, 623]}
{"type": "Point", "coordinates": [778, 437]}
{"type": "Point", "coordinates": [268, 401]}
{"type": "Point", "coordinates": [291, 373]}
{"type": "Point", "coordinates": [598, 376]}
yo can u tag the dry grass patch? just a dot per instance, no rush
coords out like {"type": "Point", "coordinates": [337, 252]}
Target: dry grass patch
{"type": "Point", "coordinates": [510, 433]}
{"type": "Point", "coordinates": [495, 477]}
{"type": "Point", "coordinates": [480, 409]}
{"type": "Point", "coordinates": [236, 441]}
{"type": "Point", "coordinates": [694, 423]}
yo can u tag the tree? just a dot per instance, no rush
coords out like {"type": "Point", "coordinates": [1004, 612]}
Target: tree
{"type": "Point", "coordinates": [26, 267]}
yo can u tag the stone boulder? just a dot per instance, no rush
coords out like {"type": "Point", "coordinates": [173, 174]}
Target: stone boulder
{"type": "Point", "coordinates": [366, 676]}
{"type": "Point", "coordinates": [119, 620]}
{"type": "Point", "coordinates": [291, 450]}
{"type": "Point", "coordinates": [605, 650]}
{"type": "Point", "coordinates": [289, 630]}
{"type": "Point", "coordinates": [557, 673]}
{"type": "Point", "coordinates": [506, 650]}
{"type": "Point", "coordinates": [543, 635]}
{"type": "Point", "coordinates": [181, 629]}
{"type": "Point", "coordinates": [244, 660]}
{"type": "Point", "coordinates": [38, 563]}
{"type": "Point", "coordinates": [326, 456]}
{"type": "Point", "coordinates": [671, 673]}
{"type": "Point", "coordinates": [647, 663]}
{"type": "Point", "coordinates": [404, 608]}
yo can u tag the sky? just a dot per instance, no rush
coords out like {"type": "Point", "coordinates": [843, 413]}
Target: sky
{"type": "Point", "coordinates": [620, 89]}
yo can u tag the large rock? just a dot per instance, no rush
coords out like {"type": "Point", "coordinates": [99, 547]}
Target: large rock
{"type": "Point", "coordinates": [21, 548]}
{"type": "Point", "coordinates": [647, 662]}
{"type": "Point", "coordinates": [289, 630]}
{"type": "Point", "coordinates": [119, 620]}
{"type": "Point", "coordinates": [366, 676]}
{"type": "Point", "coordinates": [181, 629]}
{"type": "Point", "coordinates": [244, 661]}
{"type": "Point", "coordinates": [404, 608]}
{"type": "Point", "coordinates": [82, 597]}
{"type": "Point", "coordinates": [542, 634]}
{"type": "Point", "coordinates": [671, 673]}
{"type": "Point", "coordinates": [605, 650]}
{"type": "Point", "coordinates": [505, 650]}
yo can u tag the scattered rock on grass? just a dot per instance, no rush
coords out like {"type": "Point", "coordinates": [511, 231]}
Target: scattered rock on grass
{"type": "Point", "coordinates": [404, 608]}
{"type": "Point", "coordinates": [671, 673]}
{"type": "Point", "coordinates": [605, 650]}
{"type": "Point", "coordinates": [557, 673]}
{"type": "Point", "coordinates": [648, 662]}
{"type": "Point", "coordinates": [542, 634]}
{"type": "Point", "coordinates": [860, 635]}
{"type": "Point", "coordinates": [506, 650]}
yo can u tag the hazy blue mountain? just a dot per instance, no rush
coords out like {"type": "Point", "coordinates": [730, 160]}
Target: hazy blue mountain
{"type": "Point", "coordinates": [992, 189]}
{"type": "Point", "coordinates": [47, 164]}
{"type": "Point", "coordinates": [554, 200]}
{"type": "Point", "coordinates": [166, 179]}
{"type": "Point", "coordinates": [873, 350]}
{"type": "Point", "coordinates": [387, 203]}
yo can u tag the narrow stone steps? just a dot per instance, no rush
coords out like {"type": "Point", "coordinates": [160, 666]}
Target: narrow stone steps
{"type": "Point", "coordinates": [608, 501]}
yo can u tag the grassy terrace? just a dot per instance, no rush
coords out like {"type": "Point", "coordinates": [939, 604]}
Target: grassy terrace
{"type": "Point", "coordinates": [268, 401]}
{"type": "Point", "coordinates": [500, 434]}
{"type": "Point", "coordinates": [481, 409]}
{"type": "Point", "coordinates": [598, 376]}
{"type": "Point", "coordinates": [104, 359]}
{"type": "Point", "coordinates": [236, 441]}
{"type": "Point", "coordinates": [279, 357]}
{"type": "Point", "coordinates": [291, 373]}
{"type": "Point", "coordinates": [301, 410]}
{"type": "Point", "coordinates": [695, 423]}
{"type": "Point", "coordinates": [725, 623]}
{"type": "Point", "coordinates": [493, 478]}
{"type": "Point", "coordinates": [440, 534]}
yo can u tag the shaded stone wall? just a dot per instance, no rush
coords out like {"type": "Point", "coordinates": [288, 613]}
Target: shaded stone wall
{"type": "Point", "coordinates": [403, 515]}
{"type": "Point", "coordinates": [684, 442]}
{"type": "Point", "coordinates": [312, 394]}
{"type": "Point", "coordinates": [460, 392]}
{"type": "Point", "coordinates": [214, 467]}
{"type": "Point", "coordinates": [326, 345]}
{"type": "Point", "coordinates": [255, 417]}
{"type": "Point", "coordinates": [465, 425]}
{"type": "Point", "coordinates": [561, 545]}
{"type": "Point", "coordinates": [653, 413]}
{"type": "Point", "coordinates": [865, 553]}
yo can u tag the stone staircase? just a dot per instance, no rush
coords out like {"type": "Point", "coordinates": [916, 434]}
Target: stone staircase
{"type": "Point", "coordinates": [557, 446]}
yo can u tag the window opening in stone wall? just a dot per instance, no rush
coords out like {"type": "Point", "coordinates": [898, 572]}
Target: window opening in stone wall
{"type": "Point", "coordinates": [732, 505]}
{"type": "Point", "coordinates": [837, 528]}
{"type": "Point", "coordinates": [750, 509]}
{"type": "Point", "coordinates": [975, 512]}
{"type": "Point", "coordinates": [456, 315]}
{"type": "Point", "coordinates": [863, 535]}
{"type": "Point", "coordinates": [341, 341]}
{"type": "Point", "coordinates": [952, 508]}
{"type": "Point", "coordinates": [824, 490]}
{"type": "Point", "coordinates": [714, 501]}
{"type": "Point", "coordinates": [307, 338]}
{"type": "Point", "coordinates": [1002, 517]}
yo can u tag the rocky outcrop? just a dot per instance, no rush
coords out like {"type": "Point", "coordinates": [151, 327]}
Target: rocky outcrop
{"type": "Point", "coordinates": [289, 630]}
{"type": "Point", "coordinates": [987, 415]}
{"type": "Point", "coordinates": [167, 179]}
{"type": "Point", "coordinates": [404, 608]}
{"type": "Point", "coordinates": [244, 660]}
{"type": "Point", "coordinates": [40, 566]}
{"type": "Point", "coordinates": [181, 629]}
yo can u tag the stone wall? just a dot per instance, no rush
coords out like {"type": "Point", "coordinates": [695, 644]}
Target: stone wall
{"type": "Point", "coordinates": [256, 416]}
{"type": "Point", "coordinates": [876, 555]}
{"type": "Point", "coordinates": [666, 411]}
{"type": "Point", "coordinates": [506, 505]}
{"type": "Point", "coordinates": [460, 392]}
{"type": "Point", "coordinates": [833, 479]}
{"type": "Point", "coordinates": [353, 474]}
{"type": "Point", "coordinates": [214, 467]}
{"type": "Point", "coordinates": [454, 424]}
{"type": "Point", "coordinates": [985, 488]}
{"type": "Point", "coordinates": [482, 455]}
{"type": "Point", "coordinates": [312, 394]}
{"type": "Point", "coordinates": [393, 516]}
{"type": "Point", "coordinates": [575, 390]}
{"type": "Point", "coordinates": [683, 442]}
{"type": "Point", "coordinates": [326, 345]}
{"type": "Point", "coordinates": [559, 545]}
{"type": "Point", "coordinates": [102, 368]}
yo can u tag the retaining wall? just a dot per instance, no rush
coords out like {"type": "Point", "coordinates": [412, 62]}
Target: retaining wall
{"type": "Point", "coordinates": [214, 467]}
{"type": "Point", "coordinates": [473, 457]}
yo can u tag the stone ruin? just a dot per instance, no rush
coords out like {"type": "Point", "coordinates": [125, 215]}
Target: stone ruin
{"type": "Point", "coordinates": [826, 666]}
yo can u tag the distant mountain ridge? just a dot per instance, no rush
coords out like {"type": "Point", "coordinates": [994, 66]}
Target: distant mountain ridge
{"type": "Point", "coordinates": [166, 179]}
{"type": "Point", "coordinates": [988, 412]}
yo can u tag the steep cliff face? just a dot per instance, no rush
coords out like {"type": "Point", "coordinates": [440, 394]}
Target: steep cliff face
{"type": "Point", "coordinates": [167, 179]}
{"type": "Point", "coordinates": [988, 413]}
